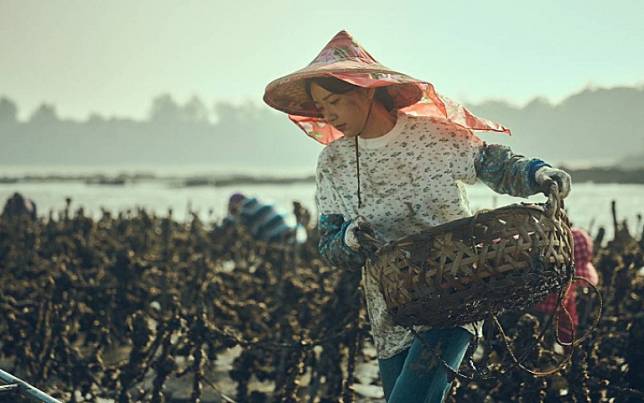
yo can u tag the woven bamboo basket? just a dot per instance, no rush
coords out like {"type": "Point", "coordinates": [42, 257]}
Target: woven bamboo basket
{"type": "Point", "coordinates": [465, 270]}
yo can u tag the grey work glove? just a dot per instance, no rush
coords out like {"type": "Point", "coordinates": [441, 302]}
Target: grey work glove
{"type": "Point", "coordinates": [547, 174]}
{"type": "Point", "coordinates": [352, 236]}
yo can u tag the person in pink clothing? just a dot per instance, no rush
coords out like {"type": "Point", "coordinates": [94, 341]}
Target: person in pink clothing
{"type": "Point", "coordinates": [583, 253]}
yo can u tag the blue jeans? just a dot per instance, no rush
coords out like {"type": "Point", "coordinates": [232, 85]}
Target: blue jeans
{"type": "Point", "coordinates": [415, 375]}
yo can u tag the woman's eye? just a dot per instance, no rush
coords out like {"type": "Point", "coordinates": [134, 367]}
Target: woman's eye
{"type": "Point", "coordinates": [334, 102]}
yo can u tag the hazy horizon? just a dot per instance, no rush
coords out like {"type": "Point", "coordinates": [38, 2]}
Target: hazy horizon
{"type": "Point", "coordinates": [210, 106]}
{"type": "Point", "coordinates": [572, 133]}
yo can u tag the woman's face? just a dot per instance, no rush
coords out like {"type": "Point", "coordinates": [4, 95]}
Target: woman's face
{"type": "Point", "coordinates": [346, 112]}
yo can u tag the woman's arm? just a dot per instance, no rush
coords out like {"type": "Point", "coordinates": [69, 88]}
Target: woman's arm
{"type": "Point", "coordinates": [332, 247]}
{"type": "Point", "coordinates": [505, 172]}
{"type": "Point", "coordinates": [331, 223]}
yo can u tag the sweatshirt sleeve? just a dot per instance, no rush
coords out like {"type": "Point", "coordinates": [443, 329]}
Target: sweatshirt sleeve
{"type": "Point", "coordinates": [331, 222]}
{"type": "Point", "coordinates": [332, 247]}
{"type": "Point", "coordinates": [494, 164]}
{"type": "Point", "coordinates": [506, 172]}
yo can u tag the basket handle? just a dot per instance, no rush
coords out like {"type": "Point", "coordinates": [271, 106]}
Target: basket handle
{"type": "Point", "coordinates": [518, 362]}
{"type": "Point", "coordinates": [555, 202]}
{"type": "Point", "coordinates": [535, 372]}
{"type": "Point", "coordinates": [595, 323]}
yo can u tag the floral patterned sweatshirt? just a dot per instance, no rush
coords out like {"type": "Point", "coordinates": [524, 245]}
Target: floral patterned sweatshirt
{"type": "Point", "coordinates": [411, 179]}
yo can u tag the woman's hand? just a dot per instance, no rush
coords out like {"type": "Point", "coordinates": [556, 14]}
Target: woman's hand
{"type": "Point", "coordinates": [546, 174]}
{"type": "Point", "coordinates": [351, 236]}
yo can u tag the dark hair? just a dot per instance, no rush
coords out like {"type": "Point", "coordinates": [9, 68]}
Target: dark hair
{"type": "Point", "coordinates": [337, 86]}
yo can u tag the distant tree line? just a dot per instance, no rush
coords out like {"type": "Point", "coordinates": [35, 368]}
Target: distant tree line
{"type": "Point", "coordinates": [594, 126]}
{"type": "Point", "coordinates": [173, 133]}
{"type": "Point", "coordinates": [164, 109]}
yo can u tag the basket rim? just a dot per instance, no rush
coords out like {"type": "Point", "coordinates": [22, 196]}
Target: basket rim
{"type": "Point", "coordinates": [521, 208]}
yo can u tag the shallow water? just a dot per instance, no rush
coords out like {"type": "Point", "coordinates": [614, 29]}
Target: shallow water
{"type": "Point", "coordinates": [588, 204]}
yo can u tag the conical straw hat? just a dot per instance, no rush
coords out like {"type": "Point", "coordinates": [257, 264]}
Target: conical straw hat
{"type": "Point", "coordinates": [345, 59]}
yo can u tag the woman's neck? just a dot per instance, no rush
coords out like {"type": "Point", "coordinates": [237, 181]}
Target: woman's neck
{"type": "Point", "coordinates": [379, 123]}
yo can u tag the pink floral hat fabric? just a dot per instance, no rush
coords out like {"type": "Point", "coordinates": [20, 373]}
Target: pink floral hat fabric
{"type": "Point", "coordinates": [345, 59]}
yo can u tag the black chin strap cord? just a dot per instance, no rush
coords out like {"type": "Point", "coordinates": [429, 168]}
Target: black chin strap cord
{"type": "Point", "coordinates": [357, 155]}
{"type": "Point", "coordinates": [358, 174]}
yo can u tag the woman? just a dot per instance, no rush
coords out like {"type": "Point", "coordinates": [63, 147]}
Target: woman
{"type": "Point", "coordinates": [396, 159]}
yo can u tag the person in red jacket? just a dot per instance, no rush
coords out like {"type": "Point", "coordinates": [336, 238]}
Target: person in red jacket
{"type": "Point", "coordinates": [583, 253]}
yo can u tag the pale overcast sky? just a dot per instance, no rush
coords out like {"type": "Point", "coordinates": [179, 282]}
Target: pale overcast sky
{"type": "Point", "coordinates": [113, 57]}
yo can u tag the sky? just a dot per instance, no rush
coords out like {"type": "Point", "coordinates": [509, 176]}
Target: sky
{"type": "Point", "coordinates": [113, 57]}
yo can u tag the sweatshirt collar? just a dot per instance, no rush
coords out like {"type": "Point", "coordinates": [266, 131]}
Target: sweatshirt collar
{"type": "Point", "coordinates": [379, 142]}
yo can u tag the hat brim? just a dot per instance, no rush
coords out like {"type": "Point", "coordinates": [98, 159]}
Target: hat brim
{"type": "Point", "coordinates": [288, 94]}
